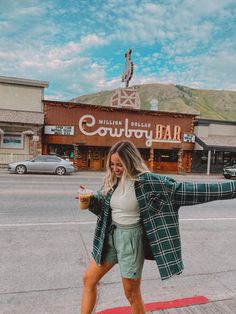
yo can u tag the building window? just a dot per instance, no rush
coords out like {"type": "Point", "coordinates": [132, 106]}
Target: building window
{"type": "Point", "coordinates": [168, 156]}
{"type": "Point", "coordinates": [12, 140]}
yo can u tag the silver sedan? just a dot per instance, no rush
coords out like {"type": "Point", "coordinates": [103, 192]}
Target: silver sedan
{"type": "Point", "coordinates": [43, 163]}
{"type": "Point", "coordinates": [229, 171]}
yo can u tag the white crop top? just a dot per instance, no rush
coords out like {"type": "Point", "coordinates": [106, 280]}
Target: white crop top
{"type": "Point", "coordinates": [124, 204]}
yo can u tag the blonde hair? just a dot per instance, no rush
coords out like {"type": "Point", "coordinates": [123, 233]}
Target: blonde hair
{"type": "Point", "coordinates": [131, 161]}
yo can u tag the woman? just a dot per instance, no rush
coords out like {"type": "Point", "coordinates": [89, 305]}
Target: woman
{"type": "Point", "coordinates": [137, 219]}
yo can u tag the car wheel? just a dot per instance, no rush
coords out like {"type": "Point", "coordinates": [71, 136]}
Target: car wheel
{"type": "Point", "coordinates": [60, 171]}
{"type": "Point", "coordinates": [227, 176]}
{"type": "Point", "coordinates": [20, 169]}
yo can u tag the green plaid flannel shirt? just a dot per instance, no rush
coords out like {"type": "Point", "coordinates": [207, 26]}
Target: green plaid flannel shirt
{"type": "Point", "coordinates": [159, 199]}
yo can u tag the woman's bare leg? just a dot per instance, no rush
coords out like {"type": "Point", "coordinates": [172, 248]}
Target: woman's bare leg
{"type": "Point", "coordinates": [132, 289]}
{"type": "Point", "coordinates": [91, 278]}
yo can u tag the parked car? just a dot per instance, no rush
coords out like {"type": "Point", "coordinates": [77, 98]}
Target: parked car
{"type": "Point", "coordinates": [229, 171]}
{"type": "Point", "coordinates": [43, 163]}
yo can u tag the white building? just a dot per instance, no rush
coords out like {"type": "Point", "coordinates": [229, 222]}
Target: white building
{"type": "Point", "coordinates": [215, 145]}
{"type": "Point", "coordinates": [21, 118]}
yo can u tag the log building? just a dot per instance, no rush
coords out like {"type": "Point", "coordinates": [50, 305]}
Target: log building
{"type": "Point", "coordinates": [84, 133]}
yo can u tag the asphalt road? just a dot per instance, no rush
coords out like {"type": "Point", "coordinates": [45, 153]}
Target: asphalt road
{"type": "Point", "coordinates": [45, 244]}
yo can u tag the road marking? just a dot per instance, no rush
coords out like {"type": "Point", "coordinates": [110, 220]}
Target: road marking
{"type": "Point", "coordinates": [33, 192]}
{"type": "Point", "coordinates": [208, 219]}
{"type": "Point", "coordinates": [93, 222]}
{"type": "Point", "coordinates": [48, 224]}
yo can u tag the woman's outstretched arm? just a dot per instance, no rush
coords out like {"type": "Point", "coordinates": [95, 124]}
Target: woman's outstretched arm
{"type": "Point", "coordinates": [192, 193]}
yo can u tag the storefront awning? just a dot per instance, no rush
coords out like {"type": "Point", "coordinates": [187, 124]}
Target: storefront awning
{"type": "Point", "coordinates": [218, 143]}
{"type": "Point", "coordinates": [26, 117]}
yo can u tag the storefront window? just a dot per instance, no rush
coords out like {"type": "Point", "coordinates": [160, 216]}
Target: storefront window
{"type": "Point", "coordinates": [219, 158]}
{"type": "Point", "coordinates": [62, 150]}
{"type": "Point", "coordinates": [229, 158]}
{"type": "Point", "coordinates": [168, 156]}
{"type": "Point", "coordinates": [145, 153]}
{"type": "Point", "coordinates": [204, 158]}
{"type": "Point", "coordinates": [96, 155]}
{"type": "Point", "coordinates": [12, 140]}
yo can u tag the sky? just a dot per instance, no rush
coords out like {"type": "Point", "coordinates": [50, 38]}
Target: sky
{"type": "Point", "coordinates": [79, 46]}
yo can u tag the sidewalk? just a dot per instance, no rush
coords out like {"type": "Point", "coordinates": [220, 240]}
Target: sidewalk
{"type": "Point", "coordinates": [217, 307]}
{"type": "Point", "coordinates": [193, 305]}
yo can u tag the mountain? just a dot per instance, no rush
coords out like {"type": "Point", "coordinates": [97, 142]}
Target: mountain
{"type": "Point", "coordinates": [208, 104]}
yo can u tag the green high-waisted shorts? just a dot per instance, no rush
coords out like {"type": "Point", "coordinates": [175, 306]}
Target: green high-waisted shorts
{"type": "Point", "coordinates": [124, 245]}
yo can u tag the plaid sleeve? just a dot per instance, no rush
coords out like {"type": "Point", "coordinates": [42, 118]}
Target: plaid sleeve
{"type": "Point", "coordinates": [191, 193]}
{"type": "Point", "coordinates": [95, 205]}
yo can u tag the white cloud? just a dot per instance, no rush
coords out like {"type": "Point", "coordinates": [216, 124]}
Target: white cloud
{"type": "Point", "coordinates": [5, 26]}
{"type": "Point", "coordinates": [91, 40]}
{"type": "Point", "coordinates": [67, 64]}
{"type": "Point", "coordinates": [178, 41]}
{"type": "Point", "coordinates": [29, 11]}
{"type": "Point", "coordinates": [190, 22]}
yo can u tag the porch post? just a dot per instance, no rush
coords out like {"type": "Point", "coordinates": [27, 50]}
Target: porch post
{"type": "Point", "coordinates": [209, 162]}
{"type": "Point", "coordinates": [75, 160]}
{"type": "Point", "coordinates": [180, 161]}
{"type": "Point", "coordinates": [151, 159]}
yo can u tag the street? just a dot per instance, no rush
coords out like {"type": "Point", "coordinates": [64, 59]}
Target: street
{"type": "Point", "coordinates": [45, 243]}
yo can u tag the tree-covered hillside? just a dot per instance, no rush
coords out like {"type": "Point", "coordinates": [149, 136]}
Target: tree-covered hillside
{"type": "Point", "coordinates": [209, 104]}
